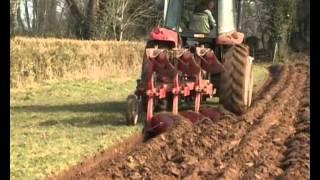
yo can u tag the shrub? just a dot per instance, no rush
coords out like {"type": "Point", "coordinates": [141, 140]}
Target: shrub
{"type": "Point", "coordinates": [34, 60]}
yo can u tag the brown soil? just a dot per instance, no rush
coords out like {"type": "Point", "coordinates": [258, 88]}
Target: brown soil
{"type": "Point", "coordinates": [270, 141]}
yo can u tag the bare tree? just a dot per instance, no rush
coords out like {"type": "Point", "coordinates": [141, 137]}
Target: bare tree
{"type": "Point", "coordinates": [51, 16]}
{"type": "Point", "coordinates": [126, 13]}
{"type": "Point", "coordinates": [91, 19]}
{"type": "Point", "coordinates": [77, 16]}
{"type": "Point", "coordinates": [26, 9]}
{"type": "Point", "coordinates": [19, 19]}
{"type": "Point", "coordinates": [34, 15]}
{"type": "Point", "coordinates": [13, 15]}
{"type": "Point", "coordinates": [84, 22]}
{"type": "Point", "coordinates": [83, 19]}
{"type": "Point", "coordinates": [41, 17]}
{"type": "Point", "coordinates": [102, 25]}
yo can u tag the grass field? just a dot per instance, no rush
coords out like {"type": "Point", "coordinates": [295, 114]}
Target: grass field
{"type": "Point", "coordinates": [56, 124]}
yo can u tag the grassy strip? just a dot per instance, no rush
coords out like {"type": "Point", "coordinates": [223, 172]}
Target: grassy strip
{"type": "Point", "coordinates": [260, 73]}
{"type": "Point", "coordinates": [55, 125]}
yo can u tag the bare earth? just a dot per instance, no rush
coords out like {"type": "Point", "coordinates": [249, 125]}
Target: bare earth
{"type": "Point", "coordinates": [270, 141]}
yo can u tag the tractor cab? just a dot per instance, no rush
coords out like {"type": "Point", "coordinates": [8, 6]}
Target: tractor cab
{"type": "Point", "coordinates": [179, 16]}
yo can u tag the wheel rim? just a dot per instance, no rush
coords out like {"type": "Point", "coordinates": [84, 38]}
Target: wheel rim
{"type": "Point", "coordinates": [250, 88]}
{"type": "Point", "coordinates": [136, 114]}
{"type": "Point", "coordinates": [249, 84]}
{"type": "Point", "coordinates": [132, 111]}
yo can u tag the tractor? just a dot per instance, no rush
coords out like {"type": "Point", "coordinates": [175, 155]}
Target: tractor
{"type": "Point", "coordinates": [182, 65]}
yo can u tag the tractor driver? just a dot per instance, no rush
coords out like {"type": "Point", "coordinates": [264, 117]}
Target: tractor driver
{"type": "Point", "coordinates": [202, 20]}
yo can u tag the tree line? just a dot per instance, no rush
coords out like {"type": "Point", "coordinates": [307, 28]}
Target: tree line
{"type": "Point", "coordinates": [83, 19]}
{"type": "Point", "coordinates": [274, 22]}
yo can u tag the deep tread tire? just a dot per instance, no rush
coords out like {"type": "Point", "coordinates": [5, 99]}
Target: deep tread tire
{"type": "Point", "coordinates": [236, 81]}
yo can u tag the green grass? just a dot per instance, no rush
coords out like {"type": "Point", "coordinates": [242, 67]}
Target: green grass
{"type": "Point", "coordinates": [56, 124]}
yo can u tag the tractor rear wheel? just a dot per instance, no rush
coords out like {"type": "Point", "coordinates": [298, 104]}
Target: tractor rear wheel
{"type": "Point", "coordinates": [236, 81]}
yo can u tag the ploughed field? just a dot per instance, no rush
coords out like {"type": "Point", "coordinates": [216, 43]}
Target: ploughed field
{"type": "Point", "coordinates": [270, 141]}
